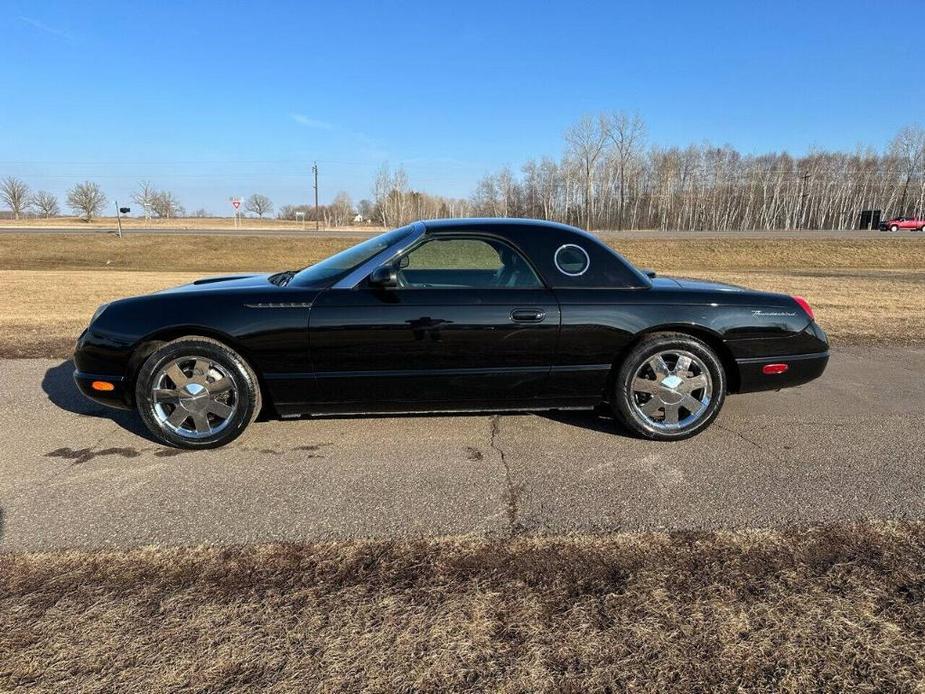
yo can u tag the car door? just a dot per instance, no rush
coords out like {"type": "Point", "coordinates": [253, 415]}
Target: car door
{"type": "Point", "coordinates": [469, 325]}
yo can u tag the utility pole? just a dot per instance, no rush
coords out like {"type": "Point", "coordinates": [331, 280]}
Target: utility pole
{"type": "Point", "coordinates": [315, 173]}
{"type": "Point", "coordinates": [118, 218]}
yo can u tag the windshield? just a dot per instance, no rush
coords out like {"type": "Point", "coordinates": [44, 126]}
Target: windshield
{"type": "Point", "coordinates": [322, 272]}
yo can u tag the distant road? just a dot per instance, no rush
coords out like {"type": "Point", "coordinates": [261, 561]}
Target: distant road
{"type": "Point", "coordinates": [364, 233]}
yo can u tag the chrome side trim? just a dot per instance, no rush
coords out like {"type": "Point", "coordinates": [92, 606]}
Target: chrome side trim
{"type": "Point", "coordinates": [451, 410]}
{"type": "Point", "coordinates": [354, 278]}
{"type": "Point", "coordinates": [281, 304]}
{"type": "Point", "coordinates": [782, 357]}
{"type": "Point", "coordinates": [408, 373]}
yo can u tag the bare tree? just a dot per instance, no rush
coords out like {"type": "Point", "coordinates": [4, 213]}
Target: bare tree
{"type": "Point", "coordinates": [586, 140]}
{"type": "Point", "coordinates": [392, 196]}
{"type": "Point", "coordinates": [295, 212]}
{"type": "Point", "coordinates": [342, 209]}
{"type": "Point", "coordinates": [365, 208]}
{"type": "Point", "coordinates": [258, 204]}
{"type": "Point", "coordinates": [145, 197]}
{"type": "Point", "coordinates": [626, 133]}
{"type": "Point", "coordinates": [45, 204]}
{"type": "Point", "coordinates": [87, 199]}
{"type": "Point", "coordinates": [15, 193]}
{"type": "Point", "coordinates": [165, 205]}
{"type": "Point", "coordinates": [908, 149]}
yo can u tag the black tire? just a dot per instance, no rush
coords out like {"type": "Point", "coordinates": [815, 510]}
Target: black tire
{"type": "Point", "coordinates": [244, 394]}
{"type": "Point", "coordinates": [894, 228]}
{"type": "Point", "coordinates": [626, 402]}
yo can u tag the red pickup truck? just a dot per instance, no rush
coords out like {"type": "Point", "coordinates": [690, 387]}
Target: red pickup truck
{"type": "Point", "coordinates": [898, 223]}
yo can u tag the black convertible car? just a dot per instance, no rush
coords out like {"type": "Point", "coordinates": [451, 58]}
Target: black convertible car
{"type": "Point", "coordinates": [449, 315]}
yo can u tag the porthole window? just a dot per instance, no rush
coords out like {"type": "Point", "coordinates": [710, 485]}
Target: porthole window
{"type": "Point", "coordinates": [572, 260]}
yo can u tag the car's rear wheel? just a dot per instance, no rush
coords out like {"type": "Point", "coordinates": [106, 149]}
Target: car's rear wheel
{"type": "Point", "coordinates": [671, 386]}
{"type": "Point", "coordinates": [894, 228]}
{"type": "Point", "coordinates": [196, 392]}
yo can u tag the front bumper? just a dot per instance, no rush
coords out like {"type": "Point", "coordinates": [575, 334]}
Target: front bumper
{"type": "Point", "coordinates": [117, 397]}
{"type": "Point", "coordinates": [802, 368]}
{"type": "Point", "coordinates": [92, 364]}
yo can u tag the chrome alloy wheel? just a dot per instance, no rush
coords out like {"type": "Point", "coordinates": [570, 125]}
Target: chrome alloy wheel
{"type": "Point", "coordinates": [193, 397]}
{"type": "Point", "coordinates": [671, 390]}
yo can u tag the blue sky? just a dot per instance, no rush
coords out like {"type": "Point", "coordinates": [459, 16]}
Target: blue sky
{"type": "Point", "coordinates": [211, 99]}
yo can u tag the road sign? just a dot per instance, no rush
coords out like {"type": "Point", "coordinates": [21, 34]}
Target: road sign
{"type": "Point", "coordinates": [236, 203]}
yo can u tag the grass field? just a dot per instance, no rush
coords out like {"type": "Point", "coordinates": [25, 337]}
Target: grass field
{"type": "Point", "coordinates": [110, 223]}
{"type": "Point", "coordinates": [862, 290]}
{"type": "Point", "coordinates": [220, 254]}
{"type": "Point", "coordinates": [831, 609]}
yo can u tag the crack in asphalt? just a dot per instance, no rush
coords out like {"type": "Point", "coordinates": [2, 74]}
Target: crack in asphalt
{"type": "Point", "coordinates": [513, 491]}
{"type": "Point", "coordinates": [740, 435]}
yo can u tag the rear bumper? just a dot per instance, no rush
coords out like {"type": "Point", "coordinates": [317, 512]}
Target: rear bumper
{"type": "Point", "coordinates": [117, 397]}
{"type": "Point", "coordinates": [802, 368]}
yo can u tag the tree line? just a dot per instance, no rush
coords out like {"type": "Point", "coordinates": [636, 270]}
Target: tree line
{"type": "Point", "coordinates": [610, 177]}
{"type": "Point", "coordinates": [87, 200]}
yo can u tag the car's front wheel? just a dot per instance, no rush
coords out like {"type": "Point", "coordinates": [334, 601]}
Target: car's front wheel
{"type": "Point", "coordinates": [671, 386]}
{"type": "Point", "coordinates": [196, 392]}
{"type": "Point", "coordinates": [894, 228]}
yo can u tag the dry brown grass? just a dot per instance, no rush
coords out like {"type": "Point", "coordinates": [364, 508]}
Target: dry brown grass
{"type": "Point", "coordinates": [222, 253]}
{"type": "Point", "coordinates": [205, 254]}
{"type": "Point", "coordinates": [42, 312]}
{"type": "Point", "coordinates": [834, 609]}
{"type": "Point", "coordinates": [48, 293]}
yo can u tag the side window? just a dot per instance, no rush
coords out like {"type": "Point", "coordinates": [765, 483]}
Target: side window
{"type": "Point", "coordinates": [572, 260]}
{"type": "Point", "coordinates": [465, 264]}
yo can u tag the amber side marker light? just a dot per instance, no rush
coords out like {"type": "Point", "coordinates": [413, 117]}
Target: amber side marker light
{"type": "Point", "coordinates": [102, 385]}
{"type": "Point", "coordinates": [774, 369]}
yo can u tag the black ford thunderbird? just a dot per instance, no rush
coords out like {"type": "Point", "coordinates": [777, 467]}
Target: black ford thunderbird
{"type": "Point", "coordinates": [449, 315]}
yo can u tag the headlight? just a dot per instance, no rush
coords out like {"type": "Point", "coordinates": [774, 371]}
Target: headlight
{"type": "Point", "coordinates": [98, 313]}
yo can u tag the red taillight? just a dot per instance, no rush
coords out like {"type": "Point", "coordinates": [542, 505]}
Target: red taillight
{"type": "Point", "coordinates": [804, 304]}
{"type": "Point", "coordinates": [774, 369]}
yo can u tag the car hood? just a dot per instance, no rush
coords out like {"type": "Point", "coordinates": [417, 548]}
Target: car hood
{"type": "Point", "coordinates": [224, 283]}
{"type": "Point", "coordinates": [702, 285]}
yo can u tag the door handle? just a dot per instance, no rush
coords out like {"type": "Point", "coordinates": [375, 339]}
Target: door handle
{"type": "Point", "coordinates": [528, 315]}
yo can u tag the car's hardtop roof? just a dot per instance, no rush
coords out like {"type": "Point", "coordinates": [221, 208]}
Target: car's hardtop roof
{"type": "Point", "coordinates": [499, 222]}
{"type": "Point", "coordinates": [609, 268]}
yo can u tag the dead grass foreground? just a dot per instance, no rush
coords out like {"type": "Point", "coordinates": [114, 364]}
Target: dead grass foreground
{"type": "Point", "coordinates": [213, 254]}
{"type": "Point", "coordinates": [835, 608]}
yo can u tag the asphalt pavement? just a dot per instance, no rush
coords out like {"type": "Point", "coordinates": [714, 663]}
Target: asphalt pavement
{"type": "Point", "coordinates": [74, 474]}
